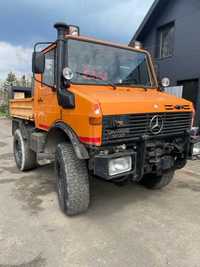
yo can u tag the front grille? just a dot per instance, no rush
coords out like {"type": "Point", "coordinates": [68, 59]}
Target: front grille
{"type": "Point", "coordinates": [130, 127]}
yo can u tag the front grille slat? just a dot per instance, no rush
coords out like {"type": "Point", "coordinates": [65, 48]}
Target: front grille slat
{"type": "Point", "coordinates": [134, 125]}
{"type": "Point", "coordinates": [176, 125]}
{"type": "Point", "coordinates": [130, 126]}
{"type": "Point", "coordinates": [175, 129]}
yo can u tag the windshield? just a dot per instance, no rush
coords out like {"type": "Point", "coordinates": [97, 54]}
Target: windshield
{"type": "Point", "coordinates": [111, 64]}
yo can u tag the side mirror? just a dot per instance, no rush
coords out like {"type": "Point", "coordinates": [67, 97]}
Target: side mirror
{"type": "Point", "coordinates": [165, 82]}
{"type": "Point", "coordinates": [38, 62]}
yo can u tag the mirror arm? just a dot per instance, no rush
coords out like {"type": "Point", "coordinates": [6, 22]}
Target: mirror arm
{"type": "Point", "coordinates": [41, 43]}
{"type": "Point", "coordinates": [67, 83]}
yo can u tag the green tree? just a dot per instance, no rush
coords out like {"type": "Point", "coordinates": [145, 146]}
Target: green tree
{"type": "Point", "coordinates": [11, 79]}
{"type": "Point", "coordinates": [23, 81]}
{"type": "Point", "coordinates": [28, 81]}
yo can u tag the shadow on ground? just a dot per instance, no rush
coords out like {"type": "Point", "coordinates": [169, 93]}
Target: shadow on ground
{"type": "Point", "coordinates": [106, 198]}
{"type": "Point", "coordinates": [33, 186]}
{"type": "Point", "coordinates": [36, 262]}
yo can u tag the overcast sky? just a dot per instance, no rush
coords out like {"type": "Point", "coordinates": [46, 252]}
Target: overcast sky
{"type": "Point", "coordinates": [24, 22]}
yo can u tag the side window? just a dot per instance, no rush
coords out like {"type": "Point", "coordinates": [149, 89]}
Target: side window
{"type": "Point", "coordinates": [166, 40]}
{"type": "Point", "coordinates": [49, 72]}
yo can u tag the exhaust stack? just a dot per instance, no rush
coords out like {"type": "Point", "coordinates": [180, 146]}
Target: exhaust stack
{"type": "Point", "coordinates": [62, 29]}
{"type": "Point", "coordinates": [66, 99]}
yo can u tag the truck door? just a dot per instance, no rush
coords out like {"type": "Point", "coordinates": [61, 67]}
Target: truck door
{"type": "Point", "coordinates": [48, 108]}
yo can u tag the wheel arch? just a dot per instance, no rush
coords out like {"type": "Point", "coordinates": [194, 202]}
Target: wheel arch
{"type": "Point", "coordinates": [60, 132]}
{"type": "Point", "coordinates": [26, 127]}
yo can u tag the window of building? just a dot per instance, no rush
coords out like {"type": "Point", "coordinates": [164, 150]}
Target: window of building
{"type": "Point", "coordinates": [166, 40]}
{"type": "Point", "coordinates": [49, 72]}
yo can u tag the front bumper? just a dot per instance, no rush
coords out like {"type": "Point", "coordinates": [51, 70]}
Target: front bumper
{"type": "Point", "coordinates": [149, 155]}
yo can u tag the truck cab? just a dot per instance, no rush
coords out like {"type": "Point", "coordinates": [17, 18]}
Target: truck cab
{"type": "Point", "coordinates": [97, 110]}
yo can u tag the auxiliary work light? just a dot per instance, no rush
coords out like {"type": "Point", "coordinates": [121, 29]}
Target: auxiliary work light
{"type": "Point", "coordinates": [68, 73]}
{"type": "Point", "coordinates": [137, 45]}
{"type": "Point", "coordinates": [74, 30]}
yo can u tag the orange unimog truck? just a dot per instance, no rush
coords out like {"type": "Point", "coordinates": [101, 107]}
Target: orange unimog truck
{"type": "Point", "coordinates": [97, 109]}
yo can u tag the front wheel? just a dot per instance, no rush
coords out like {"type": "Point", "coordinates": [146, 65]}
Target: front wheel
{"type": "Point", "coordinates": [153, 181]}
{"type": "Point", "coordinates": [72, 180]}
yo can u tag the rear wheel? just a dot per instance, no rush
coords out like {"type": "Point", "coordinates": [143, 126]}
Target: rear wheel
{"type": "Point", "coordinates": [152, 181]}
{"type": "Point", "coordinates": [25, 158]}
{"type": "Point", "coordinates": [72, 181]}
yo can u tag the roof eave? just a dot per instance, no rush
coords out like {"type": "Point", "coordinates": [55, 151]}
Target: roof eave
{"type": "Point", "coordinates": [145, 20]}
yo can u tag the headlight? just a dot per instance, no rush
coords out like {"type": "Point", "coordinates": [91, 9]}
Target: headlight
{"type": "Point", "coordinates": [68, 73]}
{"type": "Point", "coordinates": [196, 149]}
{"type": "Point", "coordinates": [165, 82]}
{"type": "Point", "coordinates": [119, 165]}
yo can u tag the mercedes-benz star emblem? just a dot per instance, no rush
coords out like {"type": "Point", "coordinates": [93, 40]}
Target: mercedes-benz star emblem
{"type": "Point", "coordinates": [156, 124]}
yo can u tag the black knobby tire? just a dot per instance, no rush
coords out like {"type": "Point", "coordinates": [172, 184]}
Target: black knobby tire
{"type": "Point", "coordinates": [72, 180]}
{"type": "Point", "coordinates": [25, 158]}
{"type": "Point", "coordinates": [153, 181]}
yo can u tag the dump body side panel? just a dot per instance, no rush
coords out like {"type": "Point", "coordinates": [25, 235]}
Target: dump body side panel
{"type": "Point", "coordinates": [22, 108]}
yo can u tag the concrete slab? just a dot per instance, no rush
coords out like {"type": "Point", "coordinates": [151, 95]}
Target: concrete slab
{"type": "Point", "coordinates": [125, 226]}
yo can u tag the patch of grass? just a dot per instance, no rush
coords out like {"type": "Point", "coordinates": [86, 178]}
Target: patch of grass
{"type": "Point", "coordinates": [3, 111]}
{"type": "Point", "coordinates": [3, 114]}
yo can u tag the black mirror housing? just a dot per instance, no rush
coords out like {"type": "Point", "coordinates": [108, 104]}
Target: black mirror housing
{"type": "Point", "coordinates": [66, 99]}
{"type": "Point", "coordinates": [38, 62]}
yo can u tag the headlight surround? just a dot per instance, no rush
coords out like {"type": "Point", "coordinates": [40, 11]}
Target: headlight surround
{"type": "Point", "coordinates": [119, 165]}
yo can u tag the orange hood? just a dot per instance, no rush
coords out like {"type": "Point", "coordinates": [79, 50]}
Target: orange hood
{"type": "Point", "coordinates": [124, 100]}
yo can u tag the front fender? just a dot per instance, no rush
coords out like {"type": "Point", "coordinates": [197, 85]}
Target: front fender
{"type": "Point", "coordinates": [79, 148]}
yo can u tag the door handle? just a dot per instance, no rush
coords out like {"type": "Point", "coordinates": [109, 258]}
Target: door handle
{"type": "Point", "coordinates": [40, 99]}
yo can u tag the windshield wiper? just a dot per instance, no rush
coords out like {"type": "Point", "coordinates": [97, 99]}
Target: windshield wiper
{"type": "Point", "coordinates": [132, 84]}
{"type": "Point", "coordinates": [96, 78]}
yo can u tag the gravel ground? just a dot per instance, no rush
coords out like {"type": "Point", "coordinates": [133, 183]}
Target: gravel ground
{"type": "Point", "coordinates": [125, 226]}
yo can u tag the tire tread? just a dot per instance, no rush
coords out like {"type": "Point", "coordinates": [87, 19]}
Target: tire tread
{"type": "Point", "coordinates": [155, 182]}
{"type": "Point", "coordinates": [76, 178]}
